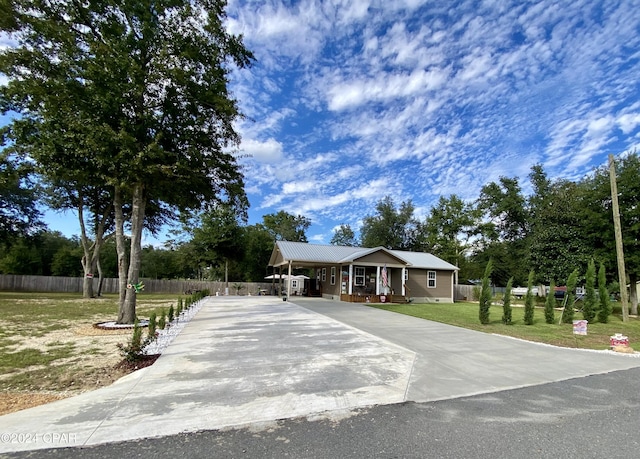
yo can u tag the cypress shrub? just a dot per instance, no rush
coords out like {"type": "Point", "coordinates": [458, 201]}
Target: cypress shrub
{"type": "Point", "coordinates": [529, 301]}
{"type": "Point", "coordinates": [506, 305]}
{"type": "Point", "coordinates": [170, 315]}
{"type": "Point", "coordinates": [550, 304]}
{"type": "Point", "coordinates": [589, 305]}
{"type": "Point", "coordinates": [151, 330]}
{"type": "Point", "coordinates": [570, 298]}
{"type": "Point", "coordinates": [605, 304]}
{"type": "Point", "coordinates": [485, 295]}
{"type": "Point", "coordinates": [162, 321]}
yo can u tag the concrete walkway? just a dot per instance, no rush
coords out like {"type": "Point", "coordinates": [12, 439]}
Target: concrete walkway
{"type": "Point", "coordinates": [246, 360]}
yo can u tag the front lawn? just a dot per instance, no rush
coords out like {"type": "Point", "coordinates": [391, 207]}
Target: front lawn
{"type": "Point", "coordinates": [466, 315]}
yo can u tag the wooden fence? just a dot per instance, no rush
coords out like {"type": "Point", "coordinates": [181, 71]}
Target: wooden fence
{"type": "Point", "coordinates": [17, 283]}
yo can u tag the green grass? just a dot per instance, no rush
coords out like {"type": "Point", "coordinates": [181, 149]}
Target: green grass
{"type": "Point", "coordinates": [466, 315]}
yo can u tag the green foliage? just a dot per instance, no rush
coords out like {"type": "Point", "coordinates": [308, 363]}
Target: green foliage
{"type": "Point", "coordinates": [391, 227]}
{"type": "Point", "coordinates": [485, 295]}
{"type": "Point", "coordinates": [507, 313]}
{"type": "Point", "coordinates": [550, 304]}
{"type": "Point", "coordinates": [570, 298]}
{"type": "Point", "coordinates": [151, 330]}
{"type": "Point", "coordinates": [344, 236]}
{"type": "Point", "coordinates": [590, 303]}
{"type": "Point", "coordinates": [449, 228]}
{"type": "Point", "coordinates": [603, 294]}
{"type": "Point", "coordinates": [170, 315]}
{"type": "Point", "coordinates": [475, 292]}
{"type": "Point", "coordinates": [237, 288]}
{"type": "Point", "coordinates": [283, 226]}
{"type": "Point", "coordinates": [179, 309]}
{"type": "Point", "coordinates": [529, 300]}
{"type": "Point", "coordinates": [134, 349]}
{"type": "Point", "coordinates": [19, 215]}
{"type": "Point", "coordinates": [162, 321]}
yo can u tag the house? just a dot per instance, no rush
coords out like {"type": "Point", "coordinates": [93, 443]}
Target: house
{"type": "Point", "coordinates": [358, 274]}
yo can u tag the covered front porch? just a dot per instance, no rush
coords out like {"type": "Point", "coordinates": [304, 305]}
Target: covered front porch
{"type": "Point", "coordinates": [357, 298]}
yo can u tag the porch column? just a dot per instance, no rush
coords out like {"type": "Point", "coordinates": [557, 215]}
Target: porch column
{"type": "Point", "coordinates": [404, 276]}
{"type": "Point", "coordinates": [280, 281]}
{"type": "Point", "coordinates": [289, 283]}
{"type": "Point", "coordinates": [377, 280]}
{"type": "Point", "coordinates": [350, 289]}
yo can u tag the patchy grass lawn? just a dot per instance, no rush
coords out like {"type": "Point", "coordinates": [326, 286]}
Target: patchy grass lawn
{"type": "Point", "coordinates": [49, 348]}
{"type": "Point", "coordinates": [466, 315]}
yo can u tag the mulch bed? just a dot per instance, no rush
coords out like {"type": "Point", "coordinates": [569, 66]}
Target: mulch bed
{"type": "Point", "coordinates": [143, 362]}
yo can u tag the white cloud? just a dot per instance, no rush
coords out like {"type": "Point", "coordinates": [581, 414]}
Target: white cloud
{"type": "Point", "coordinates": [269, 151]}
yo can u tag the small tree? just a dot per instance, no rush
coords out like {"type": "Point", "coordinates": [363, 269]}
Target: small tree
{"type": "Point", "coordinates": [605, 304]}
{"type": "Point", "coordinates": [238, 287]}
{"type": "Point", "coordinates": [485, 294]}
{"type": "Point", "coordinates": [529, 300]}
{"type": "Point", "coordinates": [151, 330]}
{"type": "Point", "coordinates": [570, 298]}
{"type": "Point", "coordinates": [170, 315]}
{"type": "Point", "coordinates": [506, 305]}
{"type": "Point", "coordinates": [550, 304]}
{"type": "Point", "coordinates": [162, 322]}
{"type": "Point", "coordinates": [590, 303]}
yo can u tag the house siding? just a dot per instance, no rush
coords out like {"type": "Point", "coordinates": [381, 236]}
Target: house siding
{"type": "Point", "coordinates": [418, 289]}
{"type": "Point", "coordinates": [377, 258]}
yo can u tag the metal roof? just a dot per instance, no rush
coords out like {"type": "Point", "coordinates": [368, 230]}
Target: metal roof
{"type": "Point", "coordinates": [303, 252]}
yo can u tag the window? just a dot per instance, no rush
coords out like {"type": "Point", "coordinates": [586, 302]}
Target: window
{"type": "Point", "coordinates": [324, 274]}
{"type": "Point", "coordinates": [333, 275]}
{"type": "Point", "coordinates": [294, 283]}
{"type": "Point", "coordinates": [359, 276]}
{"type": "Point", "coordinates": [431, 279]}
{"type": "Point", "coordinates": [406, 275]}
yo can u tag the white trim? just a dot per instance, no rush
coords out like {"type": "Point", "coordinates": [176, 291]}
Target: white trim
{"type": "Point", "coordinates": [333, 275]}
{"type": "Point", "coordinates": [351, 280]}
{"type": "Point", "coordinates": [363, 276]}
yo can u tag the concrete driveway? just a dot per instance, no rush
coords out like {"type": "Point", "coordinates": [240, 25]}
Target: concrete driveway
{"type": "Point", "coordinates": [248, 360]}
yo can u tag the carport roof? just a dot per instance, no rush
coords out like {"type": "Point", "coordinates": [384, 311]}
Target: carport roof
{"type": "Point", "coordinates": [313, 254]}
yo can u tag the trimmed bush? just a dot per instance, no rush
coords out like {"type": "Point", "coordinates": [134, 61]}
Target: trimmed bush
{"type": "Point", "coordinates": [170, 315]}
{"type": "Point", "coordinates": [485, 295]}
{"type": "Point", "coordinates": [570, 298]}
{"type": "Point", "coordinates": [506, 305]}
{"type": "Point", "coordinates": [162, 322]}
{"type": "Point", "coordinates": [529, 300]}
{"type": "Point", "coordinates": [590, 303]}
{"type": "Point", "coordinates": [151, 330]}
{"type": "Point", "coordinates": [550, 304]}
{"type": "Point", "coordinates": [603, 294]}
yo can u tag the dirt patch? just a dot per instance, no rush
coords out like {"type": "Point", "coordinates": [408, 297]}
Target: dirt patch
{"type": "Point", "coordinates": [16, 401]}
{"type": "Point", "coordinates": [93, 362]}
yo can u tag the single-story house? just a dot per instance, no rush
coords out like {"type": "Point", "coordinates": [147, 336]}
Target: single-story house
{"type": "Point", "coordinates": [358, 274]}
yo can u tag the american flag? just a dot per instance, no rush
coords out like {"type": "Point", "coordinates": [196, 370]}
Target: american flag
{"type": "Point", "coordinates": [384, 276]}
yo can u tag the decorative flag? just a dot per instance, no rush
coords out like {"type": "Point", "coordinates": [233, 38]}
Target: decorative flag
{"type": "Point", "coordinates": [385, 281]}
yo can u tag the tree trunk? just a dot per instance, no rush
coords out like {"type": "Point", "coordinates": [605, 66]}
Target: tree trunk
{"type": "Point", "coordinates": [633, 293]}
{"type": "Point", "coordinates": [137, 225]}
{"type": "Point", "coordinates": [100, 278]}
{"type": "Point", "coordinates": [123, 316]}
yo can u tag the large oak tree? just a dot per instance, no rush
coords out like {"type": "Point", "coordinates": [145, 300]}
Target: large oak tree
{"type": "Point", "coordinates": [135, 92]}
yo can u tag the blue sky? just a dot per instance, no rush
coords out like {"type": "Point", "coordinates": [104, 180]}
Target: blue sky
{"type": "Point", "coordinates": [350, 101]}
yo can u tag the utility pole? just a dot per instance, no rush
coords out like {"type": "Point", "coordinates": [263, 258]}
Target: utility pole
{"type": "Point", "coordinates": [622, 276]}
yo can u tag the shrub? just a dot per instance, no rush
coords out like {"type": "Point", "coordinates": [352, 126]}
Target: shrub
{"type": "Point", "coordinates": [133, 350]}
{"type": "Point", "coordinates": [570, 297]}
{"type": "Point", "coordinates": [529, 301]}
{"type": "Point", "coordinates": [162, 322]}
{"type": "Point", "coordinates": [589, 305]}
{"type": "Point", "coordinates": [151, 330]}
{"type": "Point", "coordinates": [485, 295]}
{"type": "Point", "coordinates": [179, 309]}
{"type": "Point", "coordinates": [550, 304]}
{"type": "Point", "coordinates": [170, 315]}
{"type": "Point", "coordinates": [605, 304]}
{"type": "Point", "coordinates": [475, 293]}
{"type": "Point", "coordinates": [506, 305]}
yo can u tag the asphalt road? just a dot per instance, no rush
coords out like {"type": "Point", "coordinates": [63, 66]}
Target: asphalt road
{"type": "Point", "coordinates": [591, 417]}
